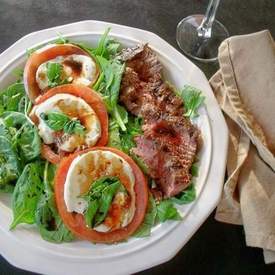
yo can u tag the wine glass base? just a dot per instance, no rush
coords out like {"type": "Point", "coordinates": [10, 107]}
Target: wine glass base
{"type": "Point", "coordinates": [194, 46]}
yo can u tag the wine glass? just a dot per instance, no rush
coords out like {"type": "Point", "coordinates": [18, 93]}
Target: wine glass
{"type": "Point", "coordinates": [199, 36]}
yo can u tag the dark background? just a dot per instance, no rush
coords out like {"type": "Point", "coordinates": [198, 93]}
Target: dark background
{"type": "Point", "coordinates": [216, 248]}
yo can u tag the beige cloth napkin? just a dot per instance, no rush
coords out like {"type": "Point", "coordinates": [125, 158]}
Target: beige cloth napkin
{"type": "Point", "coordinates": [245, 89]}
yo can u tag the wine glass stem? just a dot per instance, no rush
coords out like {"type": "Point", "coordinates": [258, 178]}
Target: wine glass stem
{"type": "Point", "coordinates": [204, 30]}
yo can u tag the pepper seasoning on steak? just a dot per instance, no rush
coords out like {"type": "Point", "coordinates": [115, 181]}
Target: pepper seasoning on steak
{"type": "Point", "coordinates": [169, 142]}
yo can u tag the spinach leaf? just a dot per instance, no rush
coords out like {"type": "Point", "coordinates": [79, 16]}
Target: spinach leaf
{"type": "Point", "coordinates": [11, 96]}
{"type": "Point", "coordinates": [54, 71]}
{"type": "Point", "coordinates": [192, 98]}
{"type": "Point", "coordinates": [26, 139]}
{"type": "Point", "coordinates": [48, 221]}
{"type": "Point", "coordinates": [9, 164]}
{"type": "Point", "coordinates": [167, 211]}
{"type": "Point", "coordinates": [144, 229]}
{"type": "Point", "coordinates": [27, 192]}
{"type": "Point", "coordinates": [99, 198]}
{"type": "Point", "coordinates": [185, 196]}
{"type": "Point", "coordinates": [61, 122]}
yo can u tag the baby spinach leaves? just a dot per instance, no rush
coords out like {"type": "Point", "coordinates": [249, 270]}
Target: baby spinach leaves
{"type": "Point", "coordinates": [11, 97]}
{"type": "Point", "coordinates": [26, 194]}
{"type": "Point", "coordinates": [25, 139]}
{"type": "Point", "coordinates": [48, 221]}
{"type": "Point", "coordinates": [61, 122]}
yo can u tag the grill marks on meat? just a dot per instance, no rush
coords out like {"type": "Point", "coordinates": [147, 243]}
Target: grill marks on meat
{"type": "Point", "coordinates": [169, 142]}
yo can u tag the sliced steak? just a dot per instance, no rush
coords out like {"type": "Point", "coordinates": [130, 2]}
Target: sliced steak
{"type": "Point", "coordinates": [169, 142]}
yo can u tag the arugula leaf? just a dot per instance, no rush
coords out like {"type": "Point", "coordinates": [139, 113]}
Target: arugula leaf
{"type": "Point", "coordinates": [27, 192]}
{"type": "Point", "coordinates": [54, 71]}
{"type": "Point", "coordinates": [48, 221]}
{"type": "Point", "coordinates": [144, 229]}
{"type": "Point", "coordinates": [186, 196]}
{"type": "Point", "coordinates": [25, 140]}
{"type": "Point", "coordinates": [114, 135]}
{"type": "Point", "coordinates": [61, 122]}
{"type": "Point", "coordinates": [101, 48]}
{"type": "Point", "coordinates": [11, 96]}
{"type": "Point", "coordinates": [193, 99]}
{"type": "Point", "coordinates": [99, 198]}
{"type": "Point", "coordinates": [167, 211]}
{"type": "Point", "coordinates": [112, 71]}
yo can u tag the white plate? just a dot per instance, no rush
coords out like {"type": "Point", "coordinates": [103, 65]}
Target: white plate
{"type": "Point", "coordinates": [24, 247]}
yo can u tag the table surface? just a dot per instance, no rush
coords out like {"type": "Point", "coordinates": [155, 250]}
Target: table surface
{"type": "Point", "coordinates": [216, 248]}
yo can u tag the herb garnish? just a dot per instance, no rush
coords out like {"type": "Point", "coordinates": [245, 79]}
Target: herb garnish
{"type": "Point", "coordinates": [61, 122]}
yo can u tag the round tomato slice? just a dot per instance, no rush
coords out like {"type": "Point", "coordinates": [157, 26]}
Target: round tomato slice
{"type": "Point", "coordinates": [76, 223]}
{"type": "Point", "coordinates": [43, 55]}
{"type": "Point", "coordinates": [92, 98]}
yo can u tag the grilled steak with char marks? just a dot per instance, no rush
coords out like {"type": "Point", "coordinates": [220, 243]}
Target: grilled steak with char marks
{"type": "Point", "coordinates": [169, 142]}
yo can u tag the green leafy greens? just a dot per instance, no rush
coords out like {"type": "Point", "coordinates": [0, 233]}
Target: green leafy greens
{"type": "Point", "coordinates": [54, 71]}
{"type": "Point", "coordinates": [99, 198]}
{"type": "Point", "coordinates": [192, 98]}
{"type": "Point", "coordinates": [144, 229]}
{"type": "Point", "coordinates": [61, 122]}
{"type": "Point", "coordinates": [167, 211]}
{"type": "Point", "coordinates": [48, 221]}
{"type": "Point", "coordinates": [26, 194]}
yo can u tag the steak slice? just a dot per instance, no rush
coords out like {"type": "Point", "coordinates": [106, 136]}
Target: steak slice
{"type": "Point", "coordinates": [169, 142]}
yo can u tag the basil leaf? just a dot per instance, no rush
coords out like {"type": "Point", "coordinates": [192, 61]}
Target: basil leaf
{"type": "Point", "coordinates": [185, 196]}
{"type": "Point", "coordinates": [54, 120]}
{"type": "Point", "coordinates": [99, 198]}
{"type": "Point", "coordinates": [167, 211]}
{"type": "Point", "coordinates": [105, 202]}
{"type": "Point", "coordinates": [27, 192]}
{"type": "Point", "coordinates": [144, 229]}
{"type": "Point", "coordinates": [90, 213]}
{"type": "Point", "coordinates": [74, 127]}
{"type": "Point", "coordinates": [48, 221]}
{"type": "Point", "coordinates": [193, 99]}
{"type": "Point", "coordinates": [54, 71]}
{"type": "Point", "coordinates": [61, 122]}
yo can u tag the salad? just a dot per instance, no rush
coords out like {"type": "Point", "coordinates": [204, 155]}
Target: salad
{"type": "Point", "coordinates": [95, 144]}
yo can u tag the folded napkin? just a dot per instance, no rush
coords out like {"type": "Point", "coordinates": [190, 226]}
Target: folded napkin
{"type": "Point", "coordinates": [245, 89]}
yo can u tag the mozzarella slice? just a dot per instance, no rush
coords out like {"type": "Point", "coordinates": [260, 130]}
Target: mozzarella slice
{"type": "Point", "coordinates": [77, 69]}
{"type": "Point", "coordinates": [74, 107]}
{"type": "Point", "coordinates": [93, 165]}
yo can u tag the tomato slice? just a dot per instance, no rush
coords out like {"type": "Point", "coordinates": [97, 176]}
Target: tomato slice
{"type": "Point", "coordinates": [92, 98]}
{"type": "Point", "coordinates": [42, 55]}
{"type": "Point", "coordinates": [76, 223]}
